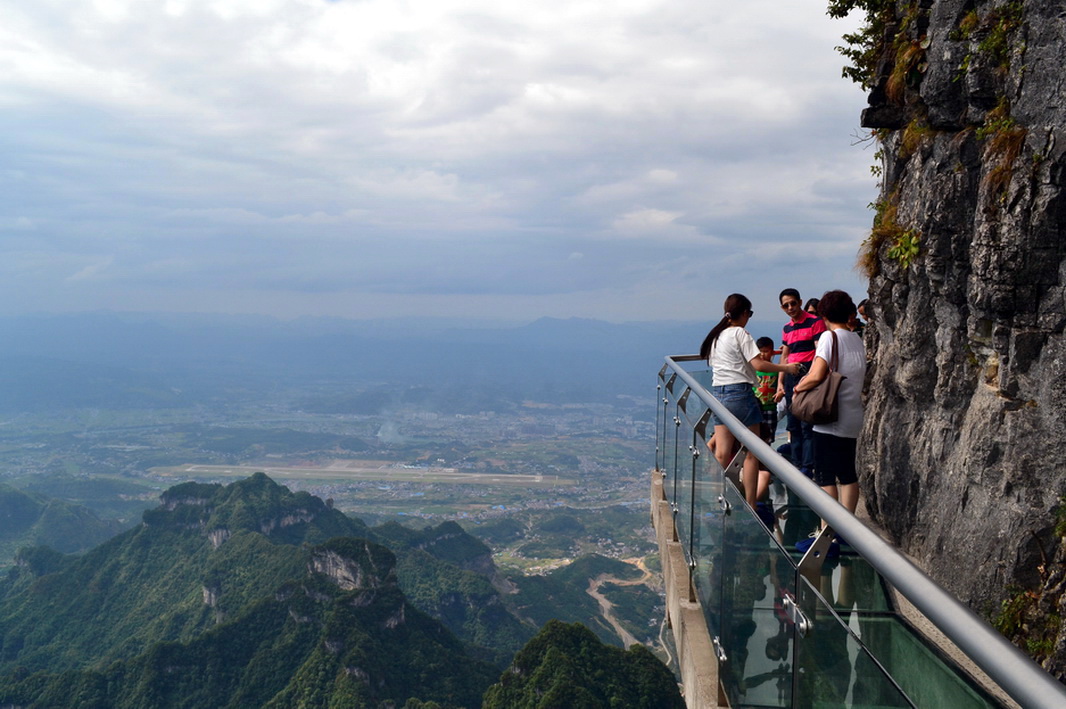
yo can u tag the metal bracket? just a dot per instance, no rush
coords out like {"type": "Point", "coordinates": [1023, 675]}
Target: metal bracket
{"type": "Point", "coordinates": [811, 563]}
{"type": "Point", "coordinates": [724, 503]}
{"type": "Point", "coordinates": [802, 622]}
{"type": "Point", "coordinates": [737, 464]}
{"type": "Point", "coordinates": [719, 650]}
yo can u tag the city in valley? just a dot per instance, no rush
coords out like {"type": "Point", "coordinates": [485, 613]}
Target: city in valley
{"type": "Point", "coordinates": [531, 461]}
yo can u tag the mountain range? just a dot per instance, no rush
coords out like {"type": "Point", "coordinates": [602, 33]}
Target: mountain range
{"type": "Point", "coordinates": [251, 595]}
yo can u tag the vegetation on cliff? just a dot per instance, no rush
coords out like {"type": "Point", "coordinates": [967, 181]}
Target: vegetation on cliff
{"type": "Point", "coordinates": [566, 666]}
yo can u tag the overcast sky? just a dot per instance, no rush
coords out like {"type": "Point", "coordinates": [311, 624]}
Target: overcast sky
{"type": "Point", "coordinates": [623, 160]}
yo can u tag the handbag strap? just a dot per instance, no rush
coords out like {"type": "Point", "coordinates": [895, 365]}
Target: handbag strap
{"type": "Point", "coordinates": [835, 362]}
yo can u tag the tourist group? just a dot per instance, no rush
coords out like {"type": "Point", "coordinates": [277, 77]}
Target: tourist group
{"type": "Point", "coordinates": [822, 335]}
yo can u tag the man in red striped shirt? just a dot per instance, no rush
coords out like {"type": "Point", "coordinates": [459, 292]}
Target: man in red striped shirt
{"type": "Point", "coordinates": [798, 340]}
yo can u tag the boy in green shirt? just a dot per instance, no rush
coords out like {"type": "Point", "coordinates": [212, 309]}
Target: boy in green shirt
{"type": "Point", "coordinates": [765, 390]}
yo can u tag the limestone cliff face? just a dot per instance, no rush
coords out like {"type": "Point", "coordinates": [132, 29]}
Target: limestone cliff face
{"type": "Point", "coordinates": [963, 455]}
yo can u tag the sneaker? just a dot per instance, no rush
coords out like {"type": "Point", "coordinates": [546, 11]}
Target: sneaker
{"type": "Point", "coordinates": [765, 512]}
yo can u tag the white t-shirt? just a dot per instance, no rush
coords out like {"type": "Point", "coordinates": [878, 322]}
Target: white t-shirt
{"type": "Point", "coordinates": [731, 357]}
{"type": "Point", "coordinates": [852, 364]}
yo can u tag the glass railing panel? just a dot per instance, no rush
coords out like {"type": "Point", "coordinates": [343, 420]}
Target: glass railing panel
{"type": "Point", "coordinates": [685, 516]}
{"type": "Point", "coordinates": [754, 631]}
{"type": "Point", "coordinates": [672, 454]}
{"type": "Point", "coordinates": [918, 669]}
{"type": "Point", "coordinates": [862, 588]}
{"type": "Point", "coordinates": [834, 669]}
{"type": "Point", "coordinates": [796, 520]}
{"type": "Point", "coordinates": [702, 374]}
{"type": "Point", "coordinates": [708, 538]}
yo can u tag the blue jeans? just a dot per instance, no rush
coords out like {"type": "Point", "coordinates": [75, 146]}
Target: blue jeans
{"type": "Point", "coordinates": [741, 402]}
{"type": "Point", "coordinates": [801, 433]}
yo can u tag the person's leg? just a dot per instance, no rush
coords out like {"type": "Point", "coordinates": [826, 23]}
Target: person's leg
{"type": "Point", "coordinates": [849, 496]}
{"type": "Point", "coordinates": [792, 424]}
{"type": "Point", "coordinates": [751, 479]}
{"type": "Point", "coordinates": [764, 483]}
{"type": "Point", "coordinates": [848, 475]}
{"type": "Point", "coordinates": [751, 473]}
{"type": "Point", "coordinates": [723, 445]}
{"type": "Point", "coordinates": [824, 470]}
{"type": "Point", "coordinates": [807, 447]}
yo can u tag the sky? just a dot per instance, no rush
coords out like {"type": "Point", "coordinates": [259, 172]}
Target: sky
{"type": "Point", "coordinates": [625, 161]}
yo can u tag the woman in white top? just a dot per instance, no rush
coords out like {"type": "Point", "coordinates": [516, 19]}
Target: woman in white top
{"type": "Point", "coordinates": [835, 443]}
{"type": "Point", "coordinates": [733, 356]}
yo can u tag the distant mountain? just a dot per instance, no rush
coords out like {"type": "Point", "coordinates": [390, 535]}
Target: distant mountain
{"type": "Point", "coordinates": [566, 666]}
{"type": "Point", "coordinates": [244, 595]}
{"type": "Point", "coordinates": [29, 519]}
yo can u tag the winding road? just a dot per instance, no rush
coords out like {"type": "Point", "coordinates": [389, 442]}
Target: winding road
{"type": "Point", "coordinates": [607, 608]}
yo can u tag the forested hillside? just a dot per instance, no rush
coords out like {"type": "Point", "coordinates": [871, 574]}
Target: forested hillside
{"type": "Point", "coordinates": [251, 595]}
{"type": "Point", "coordinates": [245, 595]}
{"type": "Point", "coordinates": [29, 519]}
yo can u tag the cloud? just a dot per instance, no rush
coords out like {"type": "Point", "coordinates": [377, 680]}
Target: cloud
{"type": "Point", "coordinates": [510, 159]}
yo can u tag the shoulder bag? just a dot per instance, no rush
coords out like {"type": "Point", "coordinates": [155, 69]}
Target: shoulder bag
{"type": "Point", "coordinates": [818, 405]}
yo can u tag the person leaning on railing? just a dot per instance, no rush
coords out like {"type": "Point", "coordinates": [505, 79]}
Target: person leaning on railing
{"type": "Point", "coordinates": [835, 443]}
{"type": "Point", "coordinates": [733, 357]}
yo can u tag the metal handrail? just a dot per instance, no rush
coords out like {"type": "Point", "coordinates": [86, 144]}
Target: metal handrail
{"type": "Point", "coordinates": [1021, 678]}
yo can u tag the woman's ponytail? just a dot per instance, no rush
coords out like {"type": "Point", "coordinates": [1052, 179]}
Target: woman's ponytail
{"type": "Point", "coordinates": [708, 342]}
{"type": "Point", "coordinates": [735, 307]}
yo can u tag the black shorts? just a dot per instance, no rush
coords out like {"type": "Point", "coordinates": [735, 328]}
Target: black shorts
{"type": "Point", "coordinates": [834, 460]}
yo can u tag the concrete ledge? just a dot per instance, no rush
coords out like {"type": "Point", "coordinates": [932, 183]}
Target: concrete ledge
{"type": "Point", "coordinates": [696, 660]}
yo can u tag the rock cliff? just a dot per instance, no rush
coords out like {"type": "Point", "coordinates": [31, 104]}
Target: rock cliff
{"type": "Point", "coordinates": [962, 455]}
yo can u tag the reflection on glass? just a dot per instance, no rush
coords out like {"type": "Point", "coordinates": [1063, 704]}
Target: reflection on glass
{"type": "Point", "coordinates": [755, 633]}
{"type": "Point", "coordinates": [917, 668]}
{"type": "Point", "coordinates": [833, 667]}
{"type": "Point", "coordinates": [707, 537]}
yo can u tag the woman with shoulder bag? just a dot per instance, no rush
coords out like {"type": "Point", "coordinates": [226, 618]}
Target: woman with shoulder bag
{"type": "Point", "coordinates": [835, 443]}
{"type": "Point", "coordinates": [733, 356]}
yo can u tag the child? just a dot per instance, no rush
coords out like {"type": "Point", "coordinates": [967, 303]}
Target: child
{"type": "Point", "coordinates": [765, 391]}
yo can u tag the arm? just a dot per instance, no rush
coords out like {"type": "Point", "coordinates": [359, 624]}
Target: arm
{"type": "Point", "coordinates": [761, 365]}
{"type": "Point", "coordinates": [819, 371]}
{"type": "Point", "coordinates": [781, 380]}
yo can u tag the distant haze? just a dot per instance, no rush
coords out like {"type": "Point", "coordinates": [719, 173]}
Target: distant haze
{"type": "Point", "coordinates": [116, 360]}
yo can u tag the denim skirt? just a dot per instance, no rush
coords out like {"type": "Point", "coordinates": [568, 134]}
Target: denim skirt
{"type": "Point", "coordinates": [741, 402]}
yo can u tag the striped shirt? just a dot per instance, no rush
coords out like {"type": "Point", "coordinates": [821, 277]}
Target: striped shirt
{"type": "Point", "coordinates": [801, 336]}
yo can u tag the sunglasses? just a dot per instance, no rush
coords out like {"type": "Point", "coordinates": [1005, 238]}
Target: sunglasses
{"type": "Point", "coordinates": [790, 304]}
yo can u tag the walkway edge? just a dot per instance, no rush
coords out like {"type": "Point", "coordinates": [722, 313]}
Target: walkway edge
{"type": "Point", "coordinates": [695, 651]}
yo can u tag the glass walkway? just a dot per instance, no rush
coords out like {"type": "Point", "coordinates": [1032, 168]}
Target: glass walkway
{"type": "Point", "coordinates": [814, 629]}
